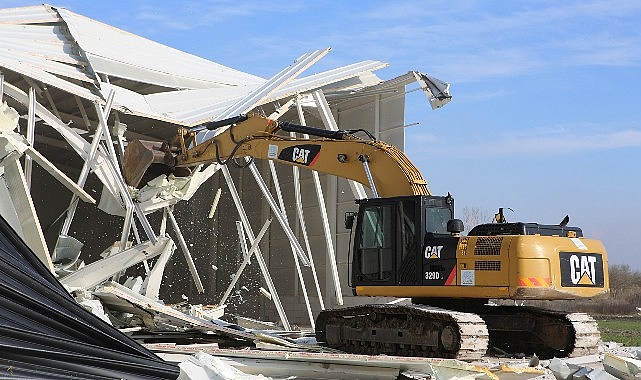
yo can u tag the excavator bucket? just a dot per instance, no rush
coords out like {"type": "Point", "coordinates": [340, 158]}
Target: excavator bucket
{"type": "Point", "coordinates": [147, 159]}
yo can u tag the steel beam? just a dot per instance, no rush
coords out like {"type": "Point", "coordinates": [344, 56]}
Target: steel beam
{"type": "Point", "coordinates": [259, 255]}
{"type": "Point", "coordinates": [99, 271]}
{"type": "Point", "coordinates": [31, 127]}
{"type": "Point", "coordinates": [183, 245]}
{"type": "Point", "coordinates": [330, 123]}
{"type": "Point", "coordinates": [278, 214]}
{"type": "Point", "coordinates": [85, 168]}
{"type": "Point", "coordinates": [299, 206]}
{"type": "Point", "coordinates": [273, 84]}
{"type": "Point", "coordinates": [26, 211]}
{"type": "Point", "coordinates": [247, 254]}
{"type": "Point", "coordinates": [281, 202]}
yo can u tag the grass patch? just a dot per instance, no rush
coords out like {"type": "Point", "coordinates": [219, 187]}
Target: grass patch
{"type": "Point", "coordinates": [626, 330]}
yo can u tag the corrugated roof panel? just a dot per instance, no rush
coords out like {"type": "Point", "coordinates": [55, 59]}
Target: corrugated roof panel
{"type": "Point", "coordinates": [115, 52]}
{"type": "Point", "coordinates": [47, 334]}
{"type": "Point", "coordinates": [42, 40]}
{"type": "Point", "coordinates": [193, 107]}
{"type": "Point", "coordinates": [40, 75]}
{"type": "Point", "coordinates": [46, 65]}
{"type": "Point", "coordinates": [42, 47]}
{"type": "Point", "coordinates": [176, 102]}
{"type": "Point", "coordinates": [28, 15]}
{"type": "Point", "coordinates": [178, 107]}
{"type": "Point", "coordinates": [327, 77]}
{"type": "Point", "coordinates": [38, 51]}
{"type": "Point", "coordinates": [133, 103]}
{"type": "Point", "coordinates": [198, 113]}
{"type": "Point", "coordinates": [199, 106]}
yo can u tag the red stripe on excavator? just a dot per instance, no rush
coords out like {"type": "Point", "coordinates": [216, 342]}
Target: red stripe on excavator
{"type": "Point", "coordinates": [535, 281]}
{"type": "Point", "coordinates": [452, 277]}
{"type": "Point", "coordinates": [314, 160]}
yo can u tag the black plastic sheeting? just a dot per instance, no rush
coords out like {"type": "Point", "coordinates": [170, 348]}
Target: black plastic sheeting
{"type": "Point", "coordinates": [45, 333]}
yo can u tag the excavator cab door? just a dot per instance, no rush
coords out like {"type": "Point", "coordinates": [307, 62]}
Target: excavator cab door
{"type": "Point", "coordinates": [374, 249]}
{"type": "Point", "coordinates": [387, 241]}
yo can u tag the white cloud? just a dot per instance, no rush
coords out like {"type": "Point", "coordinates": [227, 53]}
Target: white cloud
{"type": "Point", "coordinates": [201, 14]}
{"type": "Point", "coordinates": [563, 142]}
{"type": "Point", "coordinates": [477, 40]}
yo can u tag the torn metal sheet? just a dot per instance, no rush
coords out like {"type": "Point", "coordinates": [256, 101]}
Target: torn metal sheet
{"type": "Point", "coordinates": [437, 91]}
{"type": "Point", "coordinates": [115, 52]}
{"type": "Point", "coordinates": [66, 255]}
{"type": "Point", "coordinates": [47, 334]}
{"type": "Point", "coordinates": [8, 118]}
{"type": "Point", "coordinates": [24, 208]}
{"type": "Point", "coordinates": [622, 368]}
{"type": "Point", "coordinates": [279, 363]}
{"type": "Point", "coordinates": [562, 369]}
{"type": "Point", "coordinates": [202, 366]}
{"type": "Point", "coordinates": [99, 271]}
{"type": "Point", "coordinates": [162, 191]}
{"type": "Point", "coordinates": [154, 307]}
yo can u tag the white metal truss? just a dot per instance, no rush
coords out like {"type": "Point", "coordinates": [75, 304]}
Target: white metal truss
{"type": "Point", "coordinates": [247, 254]}
{"type": "Point", "coordinates": [99, 271]}
{"type": "Point", "coordinates": [183, 245]}
{"type": "Point", "coordinates": [299, 272]}
{"type": "Point", "coordinates": [359, 193]}
{"type": "Point", "coordinates": [259, 255]}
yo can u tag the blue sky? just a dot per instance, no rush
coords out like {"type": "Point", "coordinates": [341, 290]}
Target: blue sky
{"type": "Point", "coordinates": [546, 110]}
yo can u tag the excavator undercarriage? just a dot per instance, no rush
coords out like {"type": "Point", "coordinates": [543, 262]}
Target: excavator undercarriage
{"type": "Point", "coordinates": [428, 331]}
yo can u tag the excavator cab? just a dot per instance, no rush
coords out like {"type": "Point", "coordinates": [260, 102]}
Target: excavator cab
{"type": "Point", "coordinates": [394, 234]}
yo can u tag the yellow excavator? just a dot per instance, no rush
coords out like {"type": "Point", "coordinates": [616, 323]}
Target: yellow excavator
{"type": "Point", "coordinates": [408, 244]}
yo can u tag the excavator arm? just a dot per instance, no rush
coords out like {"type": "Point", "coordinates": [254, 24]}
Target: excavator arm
{"type": "Point", "coordinates": [332, 152]}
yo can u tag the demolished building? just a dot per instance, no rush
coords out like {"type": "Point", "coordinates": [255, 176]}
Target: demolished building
{"type": "Point", "coordinates": [164, 262]}
{"type": "Point", "coordinates": [78, 90]}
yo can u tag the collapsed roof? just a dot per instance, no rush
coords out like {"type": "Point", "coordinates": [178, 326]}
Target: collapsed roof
{"type": "Point", "coordinates": [86, 58]}
{"type": "Point", "coordinates": [86, 87]}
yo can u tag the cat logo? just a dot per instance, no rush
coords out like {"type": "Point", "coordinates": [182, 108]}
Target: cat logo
{"type": "Point", "coordinates": [581, 269]}
{"type": "Point", "coordinates": [300, 155]}
{"type": "Point", "coordinates": [433, 251]}
{"type": "Point", "coordinates": [305, 154]}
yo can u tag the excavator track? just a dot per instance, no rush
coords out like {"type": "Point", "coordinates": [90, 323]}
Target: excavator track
{"type": "Point", "coordinates": [523, 330]}
{"type": "Point", "coordinates": [587, 335]}
{"type": "Point", "coordinates": [420, 330]}
{"type": "Point", "coordinates": [405, 330]}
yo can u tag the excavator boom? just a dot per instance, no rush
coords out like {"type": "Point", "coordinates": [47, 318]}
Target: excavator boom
{"type": "Point", "coordinates": [332, 152]}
